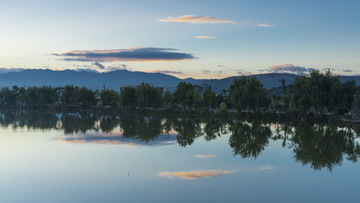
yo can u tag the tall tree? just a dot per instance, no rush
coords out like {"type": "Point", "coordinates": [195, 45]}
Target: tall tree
{"type": "Point", "coordinates": [128, 97]}
{"type": "Point", "coordinates": [148, 96]}
{"type": "Point", "coordinates": [248, 93]}
{"type": "Point", "coordinates": [109, 97]}
{"type": "Point", "coordinates": [186, 94]}
{"type": "Point", "coordinates": [70, 95]}
{"type": "Point", "coordinates": [209, 98]}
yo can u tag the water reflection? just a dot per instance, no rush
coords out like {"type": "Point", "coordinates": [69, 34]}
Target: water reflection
{"type": "Point", "coordinates": [77, 122]}
{"type": "Point", "coordinates": [323, 146]}
{"type": "Point", "coordinates": [319, 145]}
{"type": "Point", "coordinates": [193, 175]}
{"type": "Point", "coordinates": [118, 138]}
{"type": "Point", "coordinates": [30, 119]}
{"type": "Point", "coordinates": [249, 139]}
{"type": "Point", "coordinates": [205, 156]}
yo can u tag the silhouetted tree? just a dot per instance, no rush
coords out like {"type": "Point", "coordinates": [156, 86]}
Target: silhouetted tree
{"type": "Point", "coordinates": [109, 97]}
{"type": "Point", "coordinates": [209, 98]}
{"type": "Point", "coordinates": [128, 97]}
{"type": "Point", "coordinates": [248, 93]}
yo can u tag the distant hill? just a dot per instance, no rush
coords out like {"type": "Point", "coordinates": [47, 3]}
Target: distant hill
{"type": "Point", "coordinates": [111, 80]}
{"type": "Point", "coordinates": [116, 79]}
{"type": "Point", "coordinates": [269, 81]}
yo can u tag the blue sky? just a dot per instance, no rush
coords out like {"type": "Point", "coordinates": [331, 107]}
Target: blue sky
{"type": "Point", "coordinates": [200, 39]}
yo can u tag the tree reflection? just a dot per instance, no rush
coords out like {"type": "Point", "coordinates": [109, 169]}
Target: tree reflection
{"type": "Point", "coordinates": [214, 128]}
{"type": "Point", "coordinates": [284, 132]}
{"type": "Point", "coordinates": [78, 122]}
{"type": "Point", "coordinates": [30, 119]}
{"type": "Point", "coordinates": [140, 127]}
{"type": "Point", "coordinates": [248, 139]}
{"type": "Point", "coordinates": [108, 123]}
{"type": "Point", "coordinates": [188, 129]}
{"type": "Point", "coordinates": [321, 146]}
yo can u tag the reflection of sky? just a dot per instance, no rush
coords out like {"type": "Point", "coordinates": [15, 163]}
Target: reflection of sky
{"type": "Point", "coordinates": [36, 168]}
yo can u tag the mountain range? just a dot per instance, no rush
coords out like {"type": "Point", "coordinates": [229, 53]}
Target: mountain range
{"type": "Point", "coordinates": [116, 79]}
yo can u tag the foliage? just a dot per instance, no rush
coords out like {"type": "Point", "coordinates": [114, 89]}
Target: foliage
{"type": "Point", "coordinates": [323, 92]}
{"type": "Point", "coordinates": [128, 96]}
{"type": "Point", "coordinates": [209, 98]}
{"type": "Point", "coordinates": [148, 96]}
{"type": "Point", "coordinates": [186, 95]}
{"type": "Point", "coordinates": [248, 93]}
{"type": "Point", "coordinates": [109, 97]}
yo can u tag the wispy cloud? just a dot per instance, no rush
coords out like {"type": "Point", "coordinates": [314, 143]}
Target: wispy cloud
{"type": "Point", "coordinates": [195, 19]}
{"type": "Point", "coordinates": [265, 25]}
{"type": "Point", "coordinates": [131, 54]}
{"type": "Point", "coordinates": [118, 67]}
{"type": "Point", "coordinates": [219, 72]}
{"type": "Point", "coordinates": [170, 72]}
{"type": "Point", "coordinates": [261, 25]}
{"type": "Point", "coordinates": [99, 65]}
{"type": "Point", "coordinates": [204, 156]}
{"type": "Point", "coordinates": [347, 71]}
{"type": "Point", "coordinates": [204, 37]}
{"type": "Point", "coordinates": [193, 175]}
{"type": "Point", "coordinates": [289, 68]}
{"type": "Point", "coordinates": [241, 72]}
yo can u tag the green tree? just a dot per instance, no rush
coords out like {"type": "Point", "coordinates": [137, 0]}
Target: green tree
{"type": "Point", "coordinates": [323, 92]}
{"type": "Point", "coordinates": [186, 95]}
{"type": "Point", "coordinates": [7, 97]}
{"type": "Point", "coordinates": [21, 97]}
{"type": "Point", "coordinates": [167, 99]}
{"type": "Point", "coordinates": [209, 98]}
{"type": "Point", "coordinates": [47, 95]}
{"type": "Point", "coordinates": [348, 92]}
{"type": "Point", "coordinates": [302, 96]}
{"type": "Point", "coordinates": [128, 97]}
{"type": "Point", "coordinates": [248, 93]}
{"type": "Point", "coordinates": [109, 97]}
{"type": "Point", "coordinates": [356, 102]}
{"type": "Point", "coordinates": [70, 95]}
{"type": "Point", "coordinates": [87, 97]}
{"type": "Point", "coordinates": [148, 96]}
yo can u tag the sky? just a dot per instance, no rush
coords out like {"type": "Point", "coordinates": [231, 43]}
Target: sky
{"type": "Point", "coordinates": [199, 39]}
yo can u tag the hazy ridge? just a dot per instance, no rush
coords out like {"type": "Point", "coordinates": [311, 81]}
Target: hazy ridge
{"type": "Point", "coordinates": [116, 79]}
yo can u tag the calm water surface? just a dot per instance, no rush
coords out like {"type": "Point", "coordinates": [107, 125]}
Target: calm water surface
{"type": "Point", "coordinates": [52, 157]}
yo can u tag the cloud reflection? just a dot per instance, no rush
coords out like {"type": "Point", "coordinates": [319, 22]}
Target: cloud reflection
{"type": "Point", "coordinates": [266, 168]}
{"type": "Point", "coordinates": [195, 19]}
{"type": "Point", "coordinates": [205, 37]}
{"type": "Point", "coordinates": [118, 139]}
{"type": "Point", "coordinates": [204, 156]}
{"type": "Point", "coordinates": [193, 175]}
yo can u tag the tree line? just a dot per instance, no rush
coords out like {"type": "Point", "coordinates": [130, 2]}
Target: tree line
{"type": "Point", "coordinates": [318, 92]}
{"type": "Point", "coordinates": [143, 96]}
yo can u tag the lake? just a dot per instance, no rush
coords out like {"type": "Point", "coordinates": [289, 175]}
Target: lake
{"type": "Point", "coordinates": [82, 157]}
